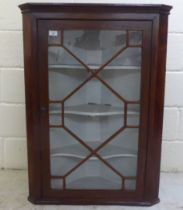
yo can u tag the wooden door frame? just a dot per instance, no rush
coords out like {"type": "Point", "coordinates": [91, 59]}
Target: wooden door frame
{"type": "Point", "coordinates": [92, 195]}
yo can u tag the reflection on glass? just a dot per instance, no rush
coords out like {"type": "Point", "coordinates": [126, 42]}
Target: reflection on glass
{"type": "Point", "coordinates": [94, 47]}
{"type": "Point", "coordinates": [54, 37]}
{"type": "Point", "coordinates": [86, 113]}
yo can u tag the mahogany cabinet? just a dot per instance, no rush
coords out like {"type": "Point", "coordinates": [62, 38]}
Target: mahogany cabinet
{"type": "Point", "coordinates": [94, 78]}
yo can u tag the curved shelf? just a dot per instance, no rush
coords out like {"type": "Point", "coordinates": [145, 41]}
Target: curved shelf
{"type": "Point", "coordinates": [110, 151]}
{"type": "Point", "coordinates": [93, 182]}
{"type": "Point", "coordinates": [95, 158]}
{"type": "Point", "coordinates": [93, 110]}
{"type": "Point", "coordinates": [93, 67]}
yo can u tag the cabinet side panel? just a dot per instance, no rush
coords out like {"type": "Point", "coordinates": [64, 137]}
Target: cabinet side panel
{"type": "Point", "coordinates": [159, 46]}
{"type": "Point", "coordinates": [32, 106]}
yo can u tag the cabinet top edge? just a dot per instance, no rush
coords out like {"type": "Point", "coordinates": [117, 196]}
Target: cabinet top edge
{"type": "Point", "coordinates": [127, 8]}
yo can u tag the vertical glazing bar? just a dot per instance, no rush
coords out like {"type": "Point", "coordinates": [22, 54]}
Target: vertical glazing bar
{"type": "Point", "coordinates": [127, 38]}
{"type": "Point", "coordinates": [125, 114]}
{"type": "Point", "coordinates": [123, 184]}
{"type": "Point", "coordinates": [62, 37]}
{"type": "Point", "coordinates": [64, 184]}
{"type": "Point", "coordinates": [62, 113]}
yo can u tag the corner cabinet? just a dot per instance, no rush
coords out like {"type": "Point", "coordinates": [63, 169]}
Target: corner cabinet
{"type": "Point", "coordinates": [94, 78]}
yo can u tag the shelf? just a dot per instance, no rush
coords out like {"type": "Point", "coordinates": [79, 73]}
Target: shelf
{"type": "Point", "coordinates": [93, 67]}
{"type": "Point", "coordinates": [93, 110]}
{"type": "Point", "coordinates": [65, 158]}
{"type": "Point", "coordinates": [78, 152]}
{"type": "Point", "coordinates": [93, 182]}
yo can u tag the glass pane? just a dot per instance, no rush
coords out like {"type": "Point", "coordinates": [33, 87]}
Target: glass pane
{"type": "Point", "coordinates": [94, 115]}
{"type": "Point", "coordinates": [54, 37]}
{"type": "Point", "coordinates": [123, 74]}
{"type": "Point", "coordinates": [56, 184]}
{"type": "Point", "coordinates": [94, 47]}
{"type": "Point", "coordinates": [65, 73]}
{"type": "Point", "coordinates": [135, 37]}
{"type": "Point", "coordinates": [87, 108]}
{"type": "Point", "coordinates": [121, 152]}
{"type": "Point", "coordinates": [133, 115]}
{"type": "Point", "coordinates": [93, 174]}
{"type": "Point", "coordinates": [130, 184]}
{"type": "Point", "coordinates": [55, 117]}
{"type": "Point", "coordinates": [65, 152]}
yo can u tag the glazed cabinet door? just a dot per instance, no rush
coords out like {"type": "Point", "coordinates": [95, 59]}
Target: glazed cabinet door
{"type": "Point", "coordinates": [94, 84]}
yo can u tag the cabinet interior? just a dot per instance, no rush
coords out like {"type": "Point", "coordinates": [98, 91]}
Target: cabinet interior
{"type": "Point", "coordinates": [92, 109]}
